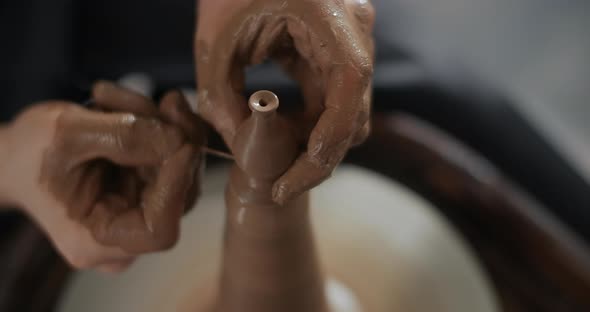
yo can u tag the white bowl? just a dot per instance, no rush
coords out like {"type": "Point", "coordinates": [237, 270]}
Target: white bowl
{"type": "Point", "coordinates": [383, 247]}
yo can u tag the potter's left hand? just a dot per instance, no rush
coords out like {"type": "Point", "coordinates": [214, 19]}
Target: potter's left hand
{"type": "Point", "coordinates": [105, 185]}
{"type": "Point", "coordinates": [325, 45]}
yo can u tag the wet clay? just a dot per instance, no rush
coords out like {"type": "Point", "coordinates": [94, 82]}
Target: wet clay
{"type": "Point", "coordinates": [326, 46]}
{"type": "Point", "coordinates": [127, 177]}
{"type": "Point", "coordinates": [269, 261]}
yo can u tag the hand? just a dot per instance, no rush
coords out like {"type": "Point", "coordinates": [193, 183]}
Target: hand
{"type": "Point", "coordinates": [105, 185]}
{"type": "Point", "coordinates": [325, 45]}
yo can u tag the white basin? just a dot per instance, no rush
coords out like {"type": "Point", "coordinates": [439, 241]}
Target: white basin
{"type": "Point", "coordinates": [376, 239]}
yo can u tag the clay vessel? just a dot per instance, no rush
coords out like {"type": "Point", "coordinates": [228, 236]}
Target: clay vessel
{"type": "Point", "coordinates": [269, 261]}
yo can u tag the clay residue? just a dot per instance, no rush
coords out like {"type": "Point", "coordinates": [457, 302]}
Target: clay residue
{"type": "Point", "coordinates": [269, 260]}
{"type": "Point", "coordinates": [326, 46]}
{"type": "Point", "coordinates": [126, 176]}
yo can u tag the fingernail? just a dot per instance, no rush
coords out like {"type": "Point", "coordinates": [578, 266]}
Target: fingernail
{"type": "Point", "coordinates": [185, 106]}
{"type": "Point", "coordinates": [148, 220]}
{"type": "Point", "coordinates": [102, 87]}
{"type": "Point", "coordinates": [104, 84]}
{"type": "Point", "coordinates": [280, 193]}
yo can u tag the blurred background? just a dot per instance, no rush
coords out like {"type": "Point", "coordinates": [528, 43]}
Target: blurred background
{"type": "Point", "coordinates": [480, 107]}
{"type": "Point", "coordinates": [536, 51]}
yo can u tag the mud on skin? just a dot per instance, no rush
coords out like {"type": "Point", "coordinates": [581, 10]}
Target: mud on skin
{"type": "Point", "coordinates": [269, 260]}
{"type": "Point", "coordinates": [324, 45]}
{"type": "Point", "coordinates": [126, 173]}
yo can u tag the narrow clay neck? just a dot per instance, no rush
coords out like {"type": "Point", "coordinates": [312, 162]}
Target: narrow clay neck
{"type": "Point", "coordinates": [263, 115]}
{"type": "Point", "coordinates": [269, 261]}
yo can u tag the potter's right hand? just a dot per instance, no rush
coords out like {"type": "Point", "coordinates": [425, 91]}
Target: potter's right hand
{"type": "Point", "coordinates": [325, 45]}
{"type": "Point", "coordinates": [105, 186]}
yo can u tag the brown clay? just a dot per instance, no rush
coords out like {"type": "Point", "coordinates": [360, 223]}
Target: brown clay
{"type": "Point", "coordinates": [126, 177]}
{"type": "Point", "coordinates": [269, 260]}
{"type": "Point", "coordinates": [326, 46]}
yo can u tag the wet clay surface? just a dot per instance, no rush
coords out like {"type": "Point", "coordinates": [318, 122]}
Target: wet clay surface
{"type": "Point", "coordinates": [128, 177]}
{"type": "Point", "coordinates": [269, 260]}
{"type": "Point", "coordinates": [326, 46]}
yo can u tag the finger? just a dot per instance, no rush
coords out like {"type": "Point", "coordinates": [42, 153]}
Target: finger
{"type": "Point", "coordinates": [115, 267]}
{"type": "Point", "coordinates": [346, 68]}
{"type": "Point", "coordinates": [271, 27]}
{"type": "Point", "coordinates": [130, 185]}
{"type": "Point", "coordinates": [224, 109]}
{"type": "Point", "coordinates": [165, 202]}
{"type": "Point", "coordinates": [364, 13]}
{"type": "Point", "coordinates": [175, 109]}
{"type": "Point", "coordinates": [331, 137]}
{"type": "Point", "coordinates": [155, 224]}
{"type": "Point", "coordinates": [311, 89]}
{"type": "Point", "coordinates": [220, 78]}
{"type": "Point", "coordinates": [313, 96]}
{"type": "Point", "coordinates": [193, 195]}
{"type": "Point", "coordinates": [82, 251]}
{"type": "Point", "coordinates": [361, 136]}
{"type": "Point", "coordinates": [97, 257]}
{"type": "Point", "coordinates": [110, 96]}
{"type": "Point", "coordinates": [365, 110]}
{"type": "Point", "coordinates": [125, 139]}
{"type": "Point", "coordinates": [90, 184]}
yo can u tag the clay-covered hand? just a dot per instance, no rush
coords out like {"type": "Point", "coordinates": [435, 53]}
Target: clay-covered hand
{"type": "Point", "coordinates": [325, 45]}
{"type": "Point", "coordinates": [106, 185]}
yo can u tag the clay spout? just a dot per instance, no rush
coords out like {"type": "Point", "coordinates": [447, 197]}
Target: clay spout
{"type": "Point", "coordinates": [264, 103]}
{"type": "Point", "coordinates": [265, 146]}
{"type": "Point", "coordinates": [269, 260]}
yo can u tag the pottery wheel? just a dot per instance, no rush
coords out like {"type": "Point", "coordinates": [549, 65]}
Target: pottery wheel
{"type": "Point", "coordinates": [382, 247]}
